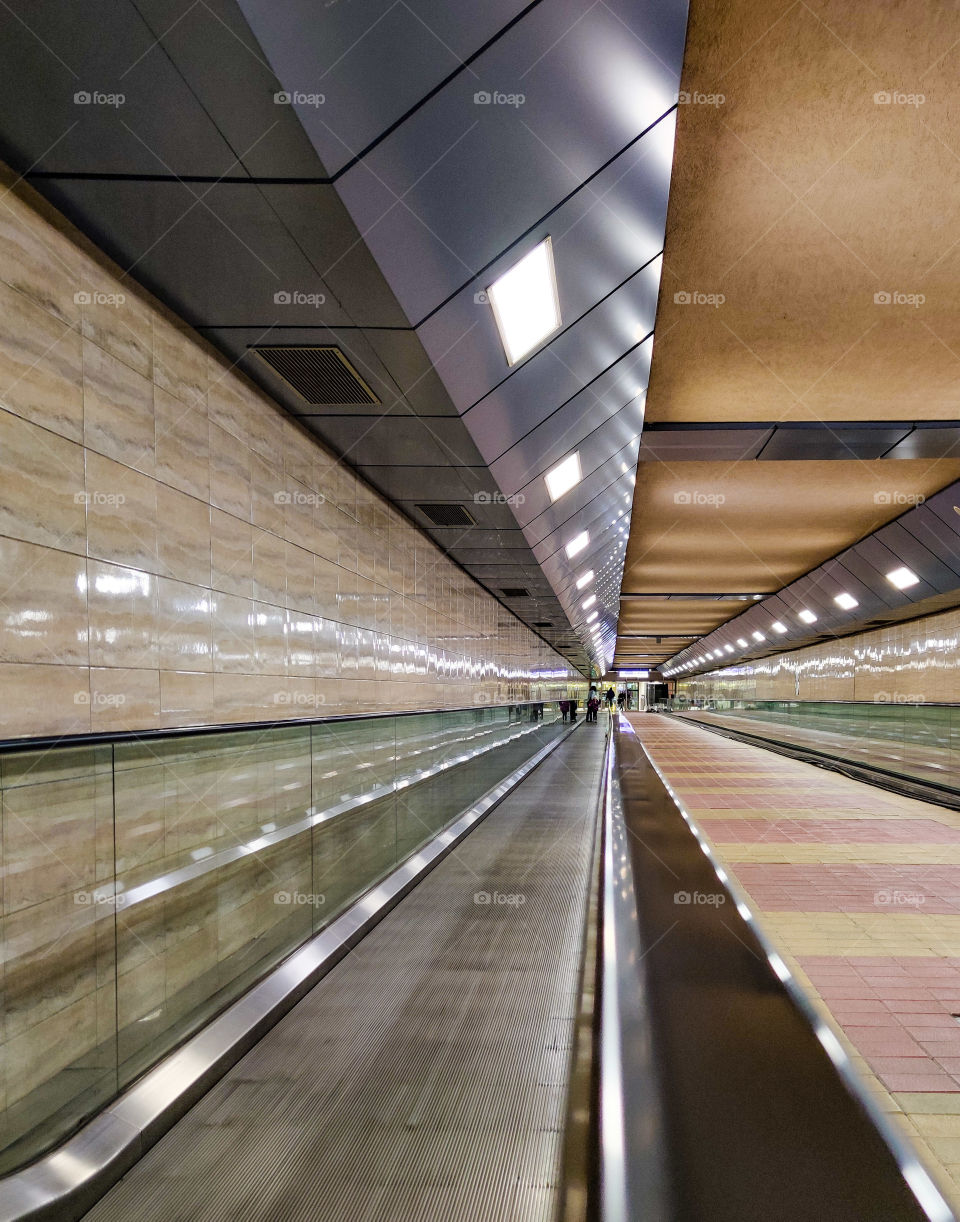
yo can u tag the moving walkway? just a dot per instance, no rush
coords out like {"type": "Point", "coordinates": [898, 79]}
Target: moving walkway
{"type": "Point", "coordinates": [511, 1016]}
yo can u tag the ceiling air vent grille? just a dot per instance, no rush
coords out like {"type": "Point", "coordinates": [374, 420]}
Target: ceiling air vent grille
{"type": "Point", "coordinates": [514, 592]}
{"type": "Point", "coordinates": [542, 623]}
{"type": "Point", "coordinates": [451, 514]}
{"type": "Point", "coordinates": [318, 375]}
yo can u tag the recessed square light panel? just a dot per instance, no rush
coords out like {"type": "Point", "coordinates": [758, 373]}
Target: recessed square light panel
{"type": "Point", "coordinates": [525, 302]}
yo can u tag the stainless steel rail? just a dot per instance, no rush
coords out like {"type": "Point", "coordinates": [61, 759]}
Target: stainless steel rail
{"type": "Point", "coordinates": [632, 1161]}
{"type": "Point", "coordinates": [103, 737]}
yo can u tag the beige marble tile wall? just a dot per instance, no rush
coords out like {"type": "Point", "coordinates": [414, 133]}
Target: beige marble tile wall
{"type": "Point", "coordinates": [902, 664]}
{"type": "Point", "coordinates": [175, 550]}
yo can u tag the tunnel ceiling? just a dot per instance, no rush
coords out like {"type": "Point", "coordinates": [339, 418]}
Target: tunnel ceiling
{"type": "Point", "coordinates": [356, 177]}
{"type": "Point", "coordinates": [805, 383]}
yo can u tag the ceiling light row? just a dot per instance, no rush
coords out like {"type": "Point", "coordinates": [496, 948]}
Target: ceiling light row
{"type": "Point", "coordinates": [902, 578]}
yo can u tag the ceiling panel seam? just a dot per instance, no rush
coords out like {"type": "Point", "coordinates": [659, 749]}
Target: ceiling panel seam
{"type": "Point", "coordinates": [579, 391]}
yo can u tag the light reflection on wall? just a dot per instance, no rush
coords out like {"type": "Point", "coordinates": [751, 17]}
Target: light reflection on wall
{"type": "Point", "coordinates": [915, 661]}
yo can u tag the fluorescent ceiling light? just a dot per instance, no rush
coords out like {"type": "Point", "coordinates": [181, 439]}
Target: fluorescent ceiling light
{"type": "Point", "coordinates": [758, 636]}
{"type": "Point", "coordinates": [728, 648]}
{"type": "Point", "coordinates": [564, 476]}
{"type": "Point", "coordinates": [584, 579]}
{"type": "Point", "coordinates": [575, 546]}
{"type": "Point", "coordinates": [777, 626]}
{"type": "Point", "coordinates": [741, 642]}
{"type": "Point", "coordinates": [847, 601]}
{"type": "Point", "coordinates": [525, 302]}
{"type": "Point", "coordinates": [903, 578]}
{"type": "Point", "coordinates": [592, 616]}
{"type": "Point", "coordinates": [588, 602]}
{"type": "Point", "coordinates": [807, 616]}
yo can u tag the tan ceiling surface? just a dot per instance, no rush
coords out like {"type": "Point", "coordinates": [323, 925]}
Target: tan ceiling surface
{"type": "Point", "coordinates": [676, 621]}
{"type": "Point", "coordinates": [687, 617]}
{"type": "Point", "coordinates": [751, 527]}
{"type": "Point", "coordinates": [798, 198]}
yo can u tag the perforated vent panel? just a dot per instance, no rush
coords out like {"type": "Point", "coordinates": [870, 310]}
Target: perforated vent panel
{"type": "Point", "coordinates": [444, 514]}
{"type": "Point", "coordinates": [318, 375]}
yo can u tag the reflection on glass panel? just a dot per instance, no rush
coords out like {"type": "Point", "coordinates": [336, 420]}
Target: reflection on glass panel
{"type": "Point", "coordinates": [351, 853]}
{"type": "Point", "coordinates": [58, 1054]}
{"type": "Point", "coordinates": [912, 739]}
{"type": "Point", "coordinates": [212, 833]}
{"type": "Point", "coordinates": [149, 881]}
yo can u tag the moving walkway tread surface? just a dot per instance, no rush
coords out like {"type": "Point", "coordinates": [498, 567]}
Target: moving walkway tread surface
{"type": "Point", "coordinates": [425, 1076]}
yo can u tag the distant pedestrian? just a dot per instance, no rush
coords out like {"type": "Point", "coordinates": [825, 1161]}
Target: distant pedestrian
{"type": "Point", "coordinates": [564, 709]}
{"type": "Point", "coordinates": [593, 707]}
{"type": "Point", "coordinates": [610, 695]}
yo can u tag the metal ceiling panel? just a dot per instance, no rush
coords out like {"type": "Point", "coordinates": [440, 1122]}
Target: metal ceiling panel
{"type": "Point", "coordinates": [536, 513]}
{"type": "Point", "coordinates": [399, 441]}
{"type": "Point", "coordinates": [403, 354]}
{"type": "Point", "coordinates": [601, 237]}
{"type": "Point", "coordinates": [504, 540]}
{"type": "Point", "coordinates": [340, 49]}
{"type": "Point", "coordinates": [606, 507]}
{"type": "Point", "coordinates": [228, 258]}
{"type": "Point", "coordinates": [109, 101]}
{"type": "Point", "coordinates": [932, 566]}
{"type": "Point", "coordinates": [612, 397]}
{"type": "Point", "coordinates": [837, 441]}
{"type": "Point", "coordinates": [868, 567]}
{"type": "Point", "coordinates": [580, 364]}
{"type": "Point", "coordinates": [809, 593]}
{"type": "Point", "coordinates": [214, 50]}
{"type": "Point", "coordinates": [406, 484]}
{"type": "Point", "coordinates": [945, 506]}
{"type": "Point", "coordinates": [840, 577]}
{"type": "Point", "coordinates": [592, 519]}
{"type": "Point", "coordinates": [320, 226]}
{"type": "Point", "coordinates": [474, 556]}
{"type": "Point", "coordinates": [940, 538]}
{"type": "Point", "coordinates": [456, 164]}
{"type": "Point", "coordinates": [663, 443]}
{"type": "Point", "coordinates": [928, 443]}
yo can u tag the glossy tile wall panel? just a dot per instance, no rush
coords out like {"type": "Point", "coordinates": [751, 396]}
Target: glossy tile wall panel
{"type": "Point", "coordinates": [914, 662]}
{"type": "Point", "coordinates": [175, 550]}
